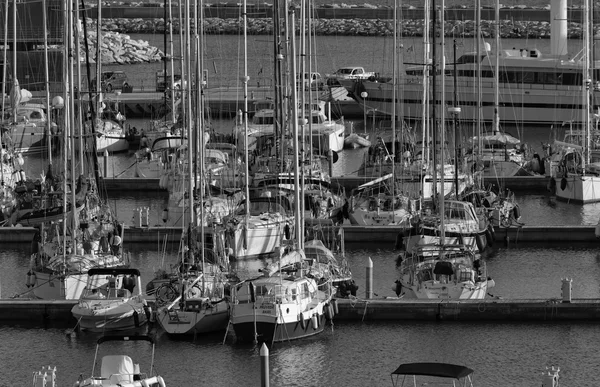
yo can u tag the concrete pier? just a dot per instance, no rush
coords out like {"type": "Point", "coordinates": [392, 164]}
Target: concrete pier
{"type": "Point", "coordinates": [352, 234]}
{"type": "Point", "coordinates": [467, 310]}
{"type": "Point", "coordinates": [58, 313]}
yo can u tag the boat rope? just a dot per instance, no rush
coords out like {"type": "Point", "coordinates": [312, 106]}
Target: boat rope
{"type": "Point", "coordinates": [126, 169]}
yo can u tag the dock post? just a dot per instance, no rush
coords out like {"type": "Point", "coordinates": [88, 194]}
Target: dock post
{"type": "Point", "coordinates": [106, 163]}
{"type": "Point", "coordinates": [369, 278]}
{"type": "Point", "coordinates": [330, 161]}
{"type": "Point", "coordinates": [264, 365]}
{"type": "Point", "coordinates": [566, 289]}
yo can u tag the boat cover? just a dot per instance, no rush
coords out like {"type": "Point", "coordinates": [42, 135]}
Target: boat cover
{"type": "Point", "coordinates": [116, 369]}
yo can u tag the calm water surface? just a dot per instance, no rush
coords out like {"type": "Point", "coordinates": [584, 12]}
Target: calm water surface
{"type": "Point", "coordinates": [349, 353]}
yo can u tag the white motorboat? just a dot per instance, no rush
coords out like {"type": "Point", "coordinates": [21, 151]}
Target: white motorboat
{"type": "Point", "coordinates": [112, 300]}
{"type": "Point", "coordinates": [326, 134]}
{"type": "Point", "coordinates": [534, 88]}
{"type": "Point", "coordinates": [413, 374]}
{"type": "Point", "coordinates": [120, 370]}
{"type": "Point", "coordinates": [442, 271]}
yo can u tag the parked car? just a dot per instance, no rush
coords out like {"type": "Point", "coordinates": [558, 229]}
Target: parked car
{"type": "Point", "coordinates": [112, 80]}
{"type": "Point", "coordinates": [312, 81]}
{"type": "Point", "coordinates": [161, 82]}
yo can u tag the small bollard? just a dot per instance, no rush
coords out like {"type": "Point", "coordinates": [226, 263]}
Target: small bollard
{"type": "Point", "coordinates": [566, 289]}
{"type": "Point", "coordinates": [369, 278]}
{"type": "Point", "coordinates": [264, 365]}
{"type": "Point", "coordinates": [106, 163]}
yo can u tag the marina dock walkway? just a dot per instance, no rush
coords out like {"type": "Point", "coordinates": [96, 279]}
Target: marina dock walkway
{"type": "Point", "coordinates": [58, 312]}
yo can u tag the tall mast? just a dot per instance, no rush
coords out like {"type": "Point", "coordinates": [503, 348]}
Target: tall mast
{"type": "Point", "coordinates": [478, 79]}
{"type": "Point", "coordinates": [394, 120]}
{"type": "Point", "coordinates": [442, 121]}
{"type": "Point", "coordinates": [245, 80]}
{"type": "Point", "coordinates": [297, 215]}
{"type": "Point", "coordinates": [497, 68]}
{"type": "Point", "coordinates": [14, 64]}
{"type": "Point", "coordinates": [587, 81]}
{"type": "Point", "coordinates": [170, 58]}
{"type": "Point", "coordinates": [47, 82]}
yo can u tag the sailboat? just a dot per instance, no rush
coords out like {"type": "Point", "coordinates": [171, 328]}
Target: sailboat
{"type": "Point", "coordinates": [285, 303]}
{"type": "Point", "coordinates": [202, 305]}
{"type": "Point", "coordinates": [577, 177]}
{"type": "Point", "coordinates": [433, 266]}
{"type": "Point", "coordinates": [85, 234]}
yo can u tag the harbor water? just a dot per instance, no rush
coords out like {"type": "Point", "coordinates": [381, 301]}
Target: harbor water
{"type": "Point", "coordinates": [347, 353]}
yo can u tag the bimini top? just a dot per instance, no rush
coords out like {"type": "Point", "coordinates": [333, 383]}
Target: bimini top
{"type": "Point", "coordinates": [441, 370]}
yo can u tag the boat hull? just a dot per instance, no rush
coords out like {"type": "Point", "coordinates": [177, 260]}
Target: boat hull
{"type": "Point", "coordinates": [451, 291]}
{"type": "Point", "coordinates": [523, 104]}
{"type": "Point", "coordinates": [28, 139]}
{"type": "Point", "coordinates": [269, 330]}
{"type": "Point", "coordinates": [578, 189]}
{"type": "Point", "coordinates": [48, 286]}
{"type": "Point", "coordinates": [189, 322]}
{"type": "Point", "coordinates": [248, 243]}
{"type": "Point", "coordinates": [123, 317]}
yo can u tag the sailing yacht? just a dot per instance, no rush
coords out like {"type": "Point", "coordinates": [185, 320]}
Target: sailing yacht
{"type": "Point", "coordinates": [83, 233]}
{"type": "Point", "coordinates": [285, 302]}
{"type": "Point", "coordinates": [578, 177]}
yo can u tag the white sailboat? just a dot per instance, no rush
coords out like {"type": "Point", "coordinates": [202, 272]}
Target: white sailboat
{"type": "Point", "coordinates": [436, 267]}
{"type": "Point", "coordinates": [83, 234]}
{"type": "Point", "coordinates": [577, 179]}
{"type": "Point", "coordinates": [284, 303]}
{"type": "Point", "coordinates": [201, 306]}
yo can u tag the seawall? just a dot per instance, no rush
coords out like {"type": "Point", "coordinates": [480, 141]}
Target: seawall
{"type": "Point", "coordinates": [509, 28]}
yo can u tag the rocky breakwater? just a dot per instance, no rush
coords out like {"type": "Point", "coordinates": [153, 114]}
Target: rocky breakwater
{"type": "Point", "coordinates": [352, 27]}
{"type": "Point", "coordinates": [119, 48]}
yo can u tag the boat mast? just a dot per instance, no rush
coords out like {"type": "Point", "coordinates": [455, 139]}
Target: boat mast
{"type": "Point", "coordinates": [496, 123]}
{"type": "Point", "coordinates": [442, 121]}
{"type": "Point", "coordinates": [17, 97]}
{"type": "Point", "coordinates": [47, 82]}
{"type": "Point", "coordinates": [297, 215]}
{"type": "Point", "coordinates": [245, 80]}
{"type": "Point", "coordinates": [478, 82]}
{"type": "Point", "coordinates": [170, 58]}
{"type": "Point", "coordinates": [394, 120]}
{"type": "Point", "coordinates": [4, 57]}
{"type": "Point", "coordinates": [587, 81]}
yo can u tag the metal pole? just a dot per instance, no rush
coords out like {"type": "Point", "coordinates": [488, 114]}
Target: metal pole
{"type": "Point", "coordinates": [369, 279]}
{"type": "Point", "coordinates": [264, 365]}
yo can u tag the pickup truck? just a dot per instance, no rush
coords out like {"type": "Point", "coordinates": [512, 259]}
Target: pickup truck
{"type": "Point", "coordinates": [352, 72]}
